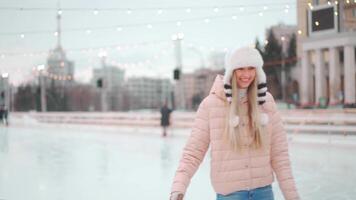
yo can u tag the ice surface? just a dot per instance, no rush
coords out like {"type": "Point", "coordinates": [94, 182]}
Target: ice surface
{"type": "Point", "coordinates": [62, 162]}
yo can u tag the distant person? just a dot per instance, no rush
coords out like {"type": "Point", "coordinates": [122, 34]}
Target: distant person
{"type": "Point", "coordinates": [3, 115]}
{"type": "Point", "coordinates": [165, 118]}
{"type": "Point", "coordinates": [3, 110]}
{"type": "Point", "coordinates": [240, 122]}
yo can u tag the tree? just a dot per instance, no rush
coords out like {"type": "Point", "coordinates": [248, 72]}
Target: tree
{"type": "Point", "coordinates": [258, 46]}
{"type": "Point", "coordinates": [273, 53]}
{"type": "Point", "coordinates": [24, 98]}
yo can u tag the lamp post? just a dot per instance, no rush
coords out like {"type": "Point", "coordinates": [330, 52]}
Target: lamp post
{"type": "Point", "coordinates": [104, 83]}
{"type": "Point", "coordinates": [177, 39]}
{"type": "Point", "coordinates": [283, 78]}
{"type": "Point", "coordinates": [40, 69]}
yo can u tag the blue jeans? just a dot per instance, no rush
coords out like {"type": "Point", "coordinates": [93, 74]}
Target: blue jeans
{"type": "Point", "coordinates": [262, 193]}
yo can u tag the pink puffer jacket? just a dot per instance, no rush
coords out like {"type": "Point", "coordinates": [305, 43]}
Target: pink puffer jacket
{"type": "Point", "coordinates": [234, 171]}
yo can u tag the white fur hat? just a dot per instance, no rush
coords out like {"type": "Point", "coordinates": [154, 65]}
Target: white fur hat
{"type": "Point", "coordinates": [245, 57]}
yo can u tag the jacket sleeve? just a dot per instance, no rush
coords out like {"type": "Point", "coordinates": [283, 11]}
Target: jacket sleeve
{"type": "Point", "coordinates": [279, 153]}
{"type": "Point", "coordinates": [194, 150]}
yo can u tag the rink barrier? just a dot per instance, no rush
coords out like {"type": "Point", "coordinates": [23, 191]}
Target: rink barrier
{"type": "Point", "coordinates": [294, 120]}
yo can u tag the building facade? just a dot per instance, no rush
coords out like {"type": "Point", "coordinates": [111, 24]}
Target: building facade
{"type": "Point", "coordinates": [59, 70]}
{"type": "Point", "coordinates": [108, 82]}
{"type": "Point", "coordinates": [148, 93]}
{"type": "Point", "coordinates": [326, 47]}
{"type": "Point", "coordinates": [197, 86]}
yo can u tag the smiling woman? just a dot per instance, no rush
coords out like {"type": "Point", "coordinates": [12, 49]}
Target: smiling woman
{"type": "Point", "coordinates": [241, 124]}
{"type": "Point", "coordinates": [244, 76]}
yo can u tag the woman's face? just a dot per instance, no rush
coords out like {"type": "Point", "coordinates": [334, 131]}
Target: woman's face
{"type": "Point", "coordinates": [244, 76]}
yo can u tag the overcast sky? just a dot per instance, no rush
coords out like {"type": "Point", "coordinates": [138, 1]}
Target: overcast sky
{"type": "Point", "coordinates": [137, 42]}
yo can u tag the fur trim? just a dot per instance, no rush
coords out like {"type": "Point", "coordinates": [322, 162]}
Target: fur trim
{"type": "Point", "coordinates": [262, 90]}
{"type": "Point", "coordinates": [264, 98]}
{"type": "Point", "coordinates": [260, 75]}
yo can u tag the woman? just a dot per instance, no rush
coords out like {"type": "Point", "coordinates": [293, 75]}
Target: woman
{"type": "Point", "coordinates": [240, 122]}
{"type": "Point", "coordinates": [165, 117]}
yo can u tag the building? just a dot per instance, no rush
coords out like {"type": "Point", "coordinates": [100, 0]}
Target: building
{"type": "Point", "coordinates": [59, 70]}
{"type": "Point", "coordinates": [109, 81]}
{"type": "Point", "coordinates": [148, 93]}
{"type": "Point", "coordinates": [197, 86]}
{"type": "Point", "coordinates": [326, 47]}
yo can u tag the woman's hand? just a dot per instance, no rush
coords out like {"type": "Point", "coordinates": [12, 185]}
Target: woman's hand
{"type": "Point", "coordinates": [176, 196]}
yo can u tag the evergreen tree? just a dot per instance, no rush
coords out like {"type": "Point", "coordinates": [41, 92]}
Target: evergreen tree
{"type": "Point", "coordinates": [258, 46]}
{"type": "Point", "coordinates": [273, 54]}
{"type": "Point", "coordinates": [24, 98]}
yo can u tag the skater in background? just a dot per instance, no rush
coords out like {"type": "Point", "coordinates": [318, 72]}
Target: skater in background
{"type": "Point", "coordinates": [3, 109]}
{"type": "Point", "coordinates": [241, 124]}
{"type": "Point", "coordinates": [165, 118]}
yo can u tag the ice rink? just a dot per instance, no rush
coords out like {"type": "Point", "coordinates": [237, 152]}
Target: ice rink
{"type": "Point", "coordinates": [62, 162]}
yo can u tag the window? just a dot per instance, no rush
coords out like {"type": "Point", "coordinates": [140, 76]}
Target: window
{"type": "Point", "coordinates": [354, 12]}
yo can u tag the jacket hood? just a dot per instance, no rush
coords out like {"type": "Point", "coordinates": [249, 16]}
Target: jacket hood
{"type": "Point", "coordinates": [218, 87]}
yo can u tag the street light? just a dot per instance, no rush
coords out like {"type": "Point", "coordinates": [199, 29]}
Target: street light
{"type": "Point", "coordinates": [41, 69]}
{"type": "Point", "coordinates": [103, 81]}
{"type": "Point", "coordinates": [5, 75]}
{"type": "Point", "coordinates": [177, 38]}
{"type": "Point", "coordinates": [284, 95]}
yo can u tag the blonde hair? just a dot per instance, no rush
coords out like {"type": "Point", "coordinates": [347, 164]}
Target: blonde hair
{"type": "Point", "coordinates": [231, 133]}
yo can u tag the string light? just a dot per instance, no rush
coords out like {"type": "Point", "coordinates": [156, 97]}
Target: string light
{"type": "Point", "coordinates": [117, 47]}
{"type": "Point", "coordinates": [160, 11]}
{"type": "Point", "coordinates": [188, 10]}
{"type": "Point", "coordinates": [206, 19]}
{"type": "Point", "coordinates": [22, 36]}
{"type": "Point", "coordinates": [96, 12]}
{"type": "Point", "coordinates": [234, 17]}
{"type": "Point", "coordinates": [216, 9]}
{"type": "Point", "coordinates": [179, 23]}
{"type": "Point", "coordinates": [299, 32]}
{"type": "Point", "coordinates": [130, 10]}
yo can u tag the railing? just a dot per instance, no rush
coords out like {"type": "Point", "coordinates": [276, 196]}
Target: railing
{"type": "Point", "coordinates": [295, 120]}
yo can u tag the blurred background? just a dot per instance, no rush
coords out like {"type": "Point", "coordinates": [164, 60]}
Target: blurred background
{"type": "Point", "coordinates": [73, 70]}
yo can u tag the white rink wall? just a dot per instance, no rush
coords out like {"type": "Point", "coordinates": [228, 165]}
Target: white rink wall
{"type": "Point", "coordinates": [342, 121]}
